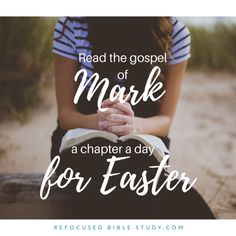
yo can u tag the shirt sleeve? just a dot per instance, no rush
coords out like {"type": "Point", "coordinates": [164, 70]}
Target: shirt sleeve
{"type": "Point", "coordinates": [181, 42]}
{"type": "Point", "coordinates": [63, 39]}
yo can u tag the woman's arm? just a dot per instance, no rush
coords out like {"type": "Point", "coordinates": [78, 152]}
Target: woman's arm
{"type": "Point", "coordinates": [159, 125]}
{"type": "Point", "coordinates": [69, 117]}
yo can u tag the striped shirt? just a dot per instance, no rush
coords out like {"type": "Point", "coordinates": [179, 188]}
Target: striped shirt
{"type": "Point", "coordinates": [75, 41]}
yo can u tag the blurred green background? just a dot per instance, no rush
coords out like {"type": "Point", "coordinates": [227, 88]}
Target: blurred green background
{"type": "Point", "coordinates": [26, 58]}
{"type": "Point", "coordinates": [213, 49]}
{"type": "Point", "coordinates": [25, 63]}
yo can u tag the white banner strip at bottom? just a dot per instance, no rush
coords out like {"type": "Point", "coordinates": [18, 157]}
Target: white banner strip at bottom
{"type": "Point", "coordinates": [117, 227]}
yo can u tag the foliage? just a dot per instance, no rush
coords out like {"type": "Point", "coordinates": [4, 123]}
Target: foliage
{"type": "Point", "coordinates": [25, 48]}
{"type": "Point", "coordinates": [213, 49]}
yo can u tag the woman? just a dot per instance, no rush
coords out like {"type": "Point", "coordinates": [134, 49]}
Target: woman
{"type": "Point", "coordinates": [123, 36]}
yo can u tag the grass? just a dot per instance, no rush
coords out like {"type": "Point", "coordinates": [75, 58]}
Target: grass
{"type": "Point", "coordinates": [215, 49]}
{"type": "Point", "coordinates": [25, 48]}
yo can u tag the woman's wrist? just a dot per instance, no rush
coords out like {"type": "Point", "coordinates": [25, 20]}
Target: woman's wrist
{"type": "Point", "coordinates": [138, 125]}
{"type": "Point", "coordinates": [156, 125]}
{"type": "Point", "coordinates": [89, 121]}
{"type": "Point", "coordinates": [74, 119]}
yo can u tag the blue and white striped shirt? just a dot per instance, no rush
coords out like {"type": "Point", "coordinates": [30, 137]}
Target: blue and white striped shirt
{"type": "Point", "coordinates": [74, 41]}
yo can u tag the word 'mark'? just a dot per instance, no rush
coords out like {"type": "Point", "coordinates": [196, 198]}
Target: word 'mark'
{"type": "Point", "coordinates": [151, 88]}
